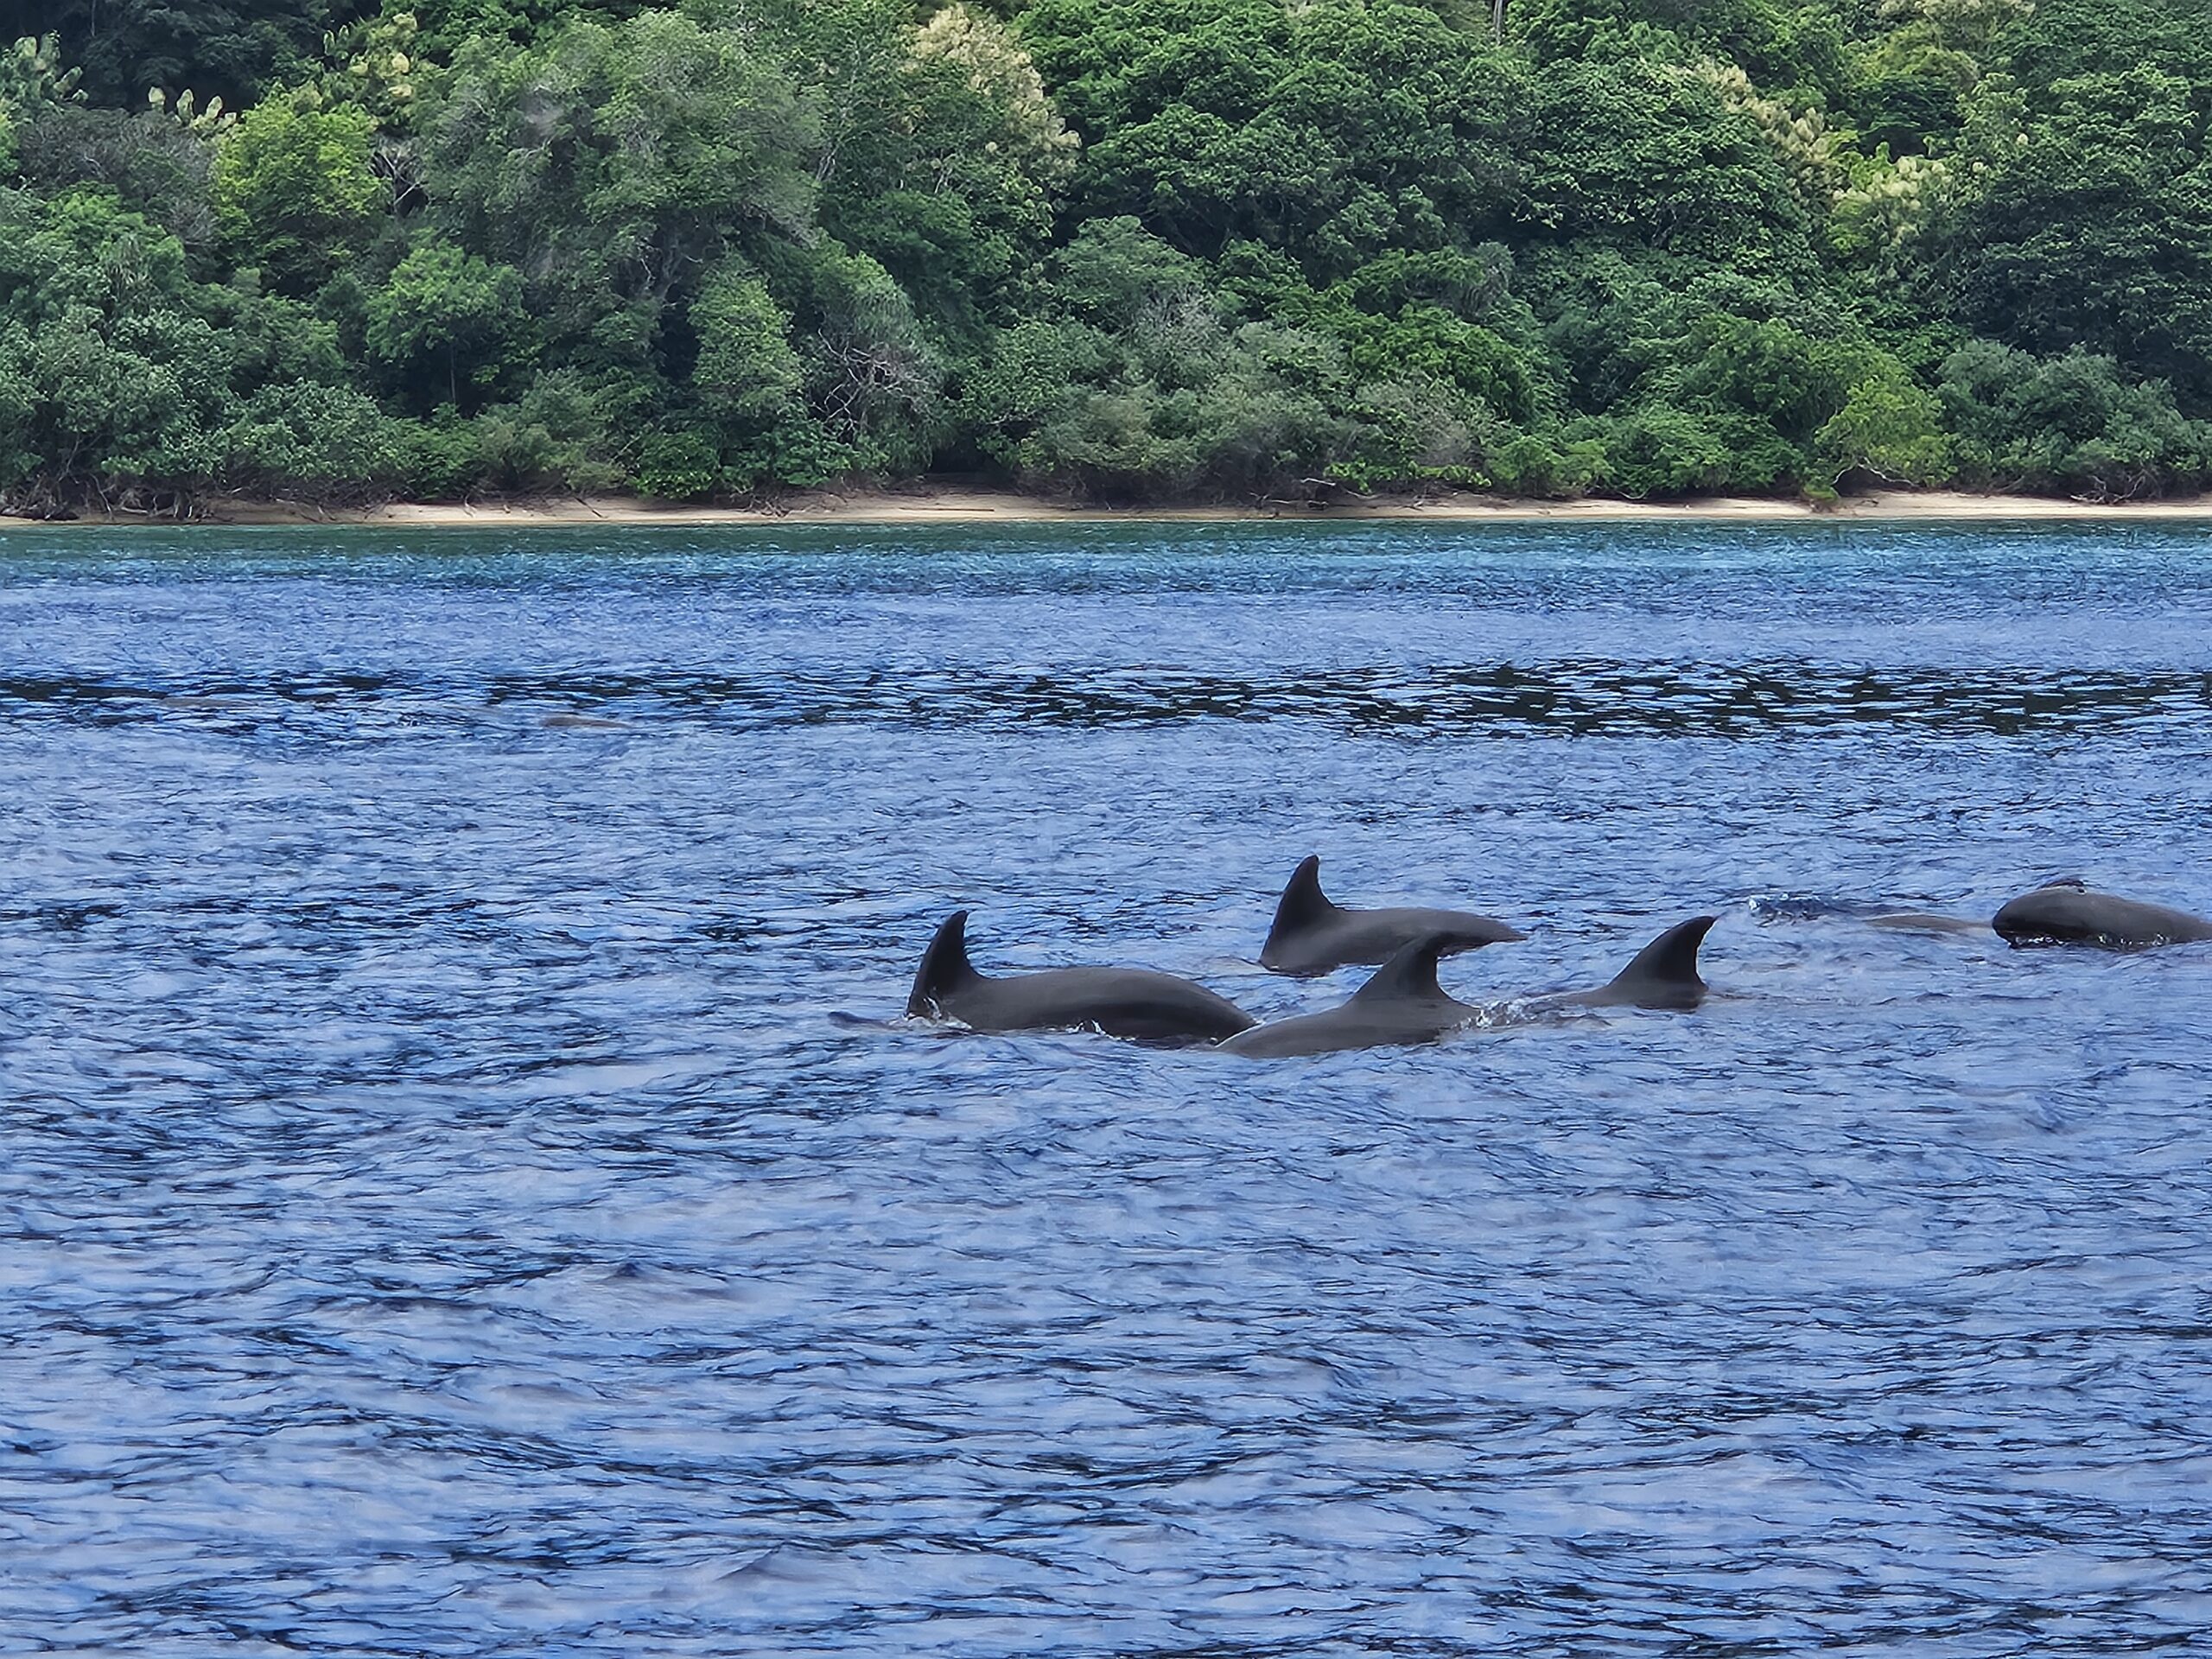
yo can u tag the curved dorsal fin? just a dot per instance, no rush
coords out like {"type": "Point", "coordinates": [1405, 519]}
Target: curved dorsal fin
{"type": "Point", "coordinates": [945, 967]}
{"type": "Point", "coordinates": [1669, 960]}
{"type": "Point", "coordinates": [1408, 976]}
{"type": "Point", "coordinates": [1302, 899]}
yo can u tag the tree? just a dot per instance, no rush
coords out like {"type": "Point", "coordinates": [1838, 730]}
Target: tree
{"type": "Point", "coordinates": [1888, 427]}
{"type": "Point", "coordinates": [1635, 154]}
{"type": "Point", "coordinates": [747, 377]}
{"type": "Point", "coordinates": [610, 164]}
{"type": "Point", "coordinates": [871, 375]}
{"type": "Point", "coordinates": [2093, 227]}
{"type": "Point", "coordinates": [293, 189]}
{"type": "Point", "coordinates": [328, 442]}
{"type": "Point", "coordinates": [445, 320]}
{"type": "Point", "coordinates": [1136, 247]}
{"type": "Point", "coordinates": [948, 174]}
{"type": "Point", "coordinates": [233, 49]}
{"type": "Point", "coordinates": [2074, 423]}
{"type": "Point", "coordinates": [120, 376]}
{"type": "Point", "coordinates": [153, 164]}
{"type": "Point", "coordinates": [1335, 130]}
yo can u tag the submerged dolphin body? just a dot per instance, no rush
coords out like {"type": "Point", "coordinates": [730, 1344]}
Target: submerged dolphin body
{"type": "Point", "coordinates": [1663, 975]}
{"type": "Point", "coordinates": [2066, 915]}
{"type": "Point", "coordinates": [1922, 921]}
{"type": "Point", "coordinates": [1401, 1003]}
{"type": "Point", "coordinates": [1120, 1001]}
{"type": "Point", "coordinates": [1313, 936]}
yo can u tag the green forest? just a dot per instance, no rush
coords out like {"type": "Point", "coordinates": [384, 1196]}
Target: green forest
{"type": "Point", "coordinates": [1115, 250]}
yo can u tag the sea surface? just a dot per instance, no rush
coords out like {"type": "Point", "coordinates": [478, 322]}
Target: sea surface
{"type": "Point", "coordinates": [466, 1187]}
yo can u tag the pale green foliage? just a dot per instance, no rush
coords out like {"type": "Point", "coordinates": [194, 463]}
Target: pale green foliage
{"type": "Point", "coordinates": [1799, 137]}
{"type": "Point", "coordinates": [379, 65]}
{"type": "Point", "coordinates": [1887, 201]}
{"type": "Point", "coordinates": [293, 188]}
{"type": "Point", "coordinates": [1969, 25]}
{"type": "Point", "coordinates": [212, 123]}
{"type": "Point", "coordinates": [747, 374]}
{"type": "Point", "coordinates": [1888, 427]}
{"type": "Point", "coordinates": [1000, 73]}
{"type": "Point", "coordinates": [31, 74]}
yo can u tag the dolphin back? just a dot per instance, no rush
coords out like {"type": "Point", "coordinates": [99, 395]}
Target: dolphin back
{"type": "Point", "coordinates": [1311, 934]}
{"type": "Point", "coordinates": [1408, 976]}
{"type": "Point", "coordinates": [945, 968]}
{"type": "Point", "coordinates": [1303, 903]}
{"type": "Point", "coordinates": [1664, 973]}
{"type": "Point", "coordinates": [2064, 913]}
{"type": "Point", "coordinates": [1401, 1003]}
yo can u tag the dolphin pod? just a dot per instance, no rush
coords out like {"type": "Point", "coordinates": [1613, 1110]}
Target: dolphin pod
{"type": "Point", "coordinates": [1402, 1002]}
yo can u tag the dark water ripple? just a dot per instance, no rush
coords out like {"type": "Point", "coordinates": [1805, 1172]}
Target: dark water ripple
{"type": "Point", "coordinates": [1580, 698]}
{"type": "Point", "coordinates": [458, 1192]}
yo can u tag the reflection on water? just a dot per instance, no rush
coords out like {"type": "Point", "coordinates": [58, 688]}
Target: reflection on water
{"type": "Point", "coordinates": [461, 1191]}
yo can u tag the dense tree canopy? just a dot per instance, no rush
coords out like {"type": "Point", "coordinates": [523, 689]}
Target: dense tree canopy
{"type": "Point", "coordinates": [232, 49]}
{"type": "Point", "coordinates": [1134, 249]}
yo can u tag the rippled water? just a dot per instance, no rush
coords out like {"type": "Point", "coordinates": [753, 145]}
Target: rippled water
{"type": "Point", "coordinates": [462, 1191]}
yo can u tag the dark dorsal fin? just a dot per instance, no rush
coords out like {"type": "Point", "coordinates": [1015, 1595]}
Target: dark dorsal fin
{"type": "Point", "coordinates": [1669, 960]}
{"type": "Point", "coordinates": [1410, 976]}
{"type": "Point", "coordinates": [1302, 901]}
{"type": "Point", "coordinates": [945, 967]}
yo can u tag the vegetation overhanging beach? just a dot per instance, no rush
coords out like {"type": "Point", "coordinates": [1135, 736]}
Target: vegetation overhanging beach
{"type": "Point", "coordinates": [967, 505]}
{"type": "Point", "coordinates": [1237, 255]}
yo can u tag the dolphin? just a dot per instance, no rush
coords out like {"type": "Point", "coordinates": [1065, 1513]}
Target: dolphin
{"type": "Point", "coordinates": [1402, 1003]}
{"type": "Point", "coordinates": [2066, 914]}
{"type": "Point", "coordinates": [1120, 1001]}
{"type": "Point", "coordinates": [1663, 975]}
{"type": "Point", "coordinates": [1312, 935]}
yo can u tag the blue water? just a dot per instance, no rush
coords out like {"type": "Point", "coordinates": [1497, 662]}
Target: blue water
{"type": "Point", "coordinates": [464, 1189]}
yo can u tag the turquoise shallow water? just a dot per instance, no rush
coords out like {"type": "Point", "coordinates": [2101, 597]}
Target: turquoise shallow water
{"type": "Point", "coordinates": [462, 1190]}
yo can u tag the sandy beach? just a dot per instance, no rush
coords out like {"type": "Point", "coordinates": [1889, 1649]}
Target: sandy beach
{"type": "Point", "coordinates": [926, 504]}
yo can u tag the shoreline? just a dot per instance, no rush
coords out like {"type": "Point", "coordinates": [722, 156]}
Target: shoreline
{"type": "Point", "coordinates": [960, 506]}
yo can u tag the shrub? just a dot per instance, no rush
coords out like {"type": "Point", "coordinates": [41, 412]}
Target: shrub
{"type": "Point", "coordinates": [678, 466]}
